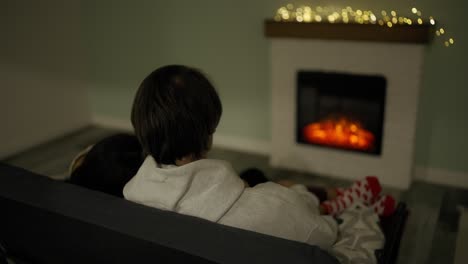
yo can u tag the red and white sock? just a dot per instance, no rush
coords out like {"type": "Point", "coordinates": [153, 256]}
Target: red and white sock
{"type": "Point", "coordinates": [385, 205]}
{"type": "Point", "coordinates": [339, 204]}
{"type": "Point", "coordinates": [366, 190]}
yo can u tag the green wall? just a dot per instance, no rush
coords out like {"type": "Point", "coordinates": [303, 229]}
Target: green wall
{"type": "Point", "coordinates": [126, 40]}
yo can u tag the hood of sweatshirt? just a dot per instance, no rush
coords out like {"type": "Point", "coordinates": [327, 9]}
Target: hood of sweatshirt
{"type": "Point", "coordinates": [205, 188]}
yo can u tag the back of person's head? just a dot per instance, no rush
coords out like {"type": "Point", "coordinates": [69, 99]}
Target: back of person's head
{"type": "Point", "coordinates": [175, 113]}
{"type": "Point", "coordinates": [109, 164]}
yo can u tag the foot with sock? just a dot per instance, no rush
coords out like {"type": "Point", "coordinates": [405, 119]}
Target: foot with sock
{"type": "Point", "coordinates": [366, 191]}
{"type": "Point", "coordinates": [384, 206]}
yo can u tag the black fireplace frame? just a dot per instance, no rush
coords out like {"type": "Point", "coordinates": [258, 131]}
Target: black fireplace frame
{"type": "Point", "coordinates": [377, 95]}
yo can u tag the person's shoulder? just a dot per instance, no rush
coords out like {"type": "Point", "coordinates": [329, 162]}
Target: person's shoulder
{"type": "Point", "coordinates": [215, 164]}
{"type": "Point", "coordinates": [275, 191]}
{"type": "Point", "coordinates": [269, 187]}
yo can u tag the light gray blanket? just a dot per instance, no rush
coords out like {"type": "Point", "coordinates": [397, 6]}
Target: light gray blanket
{"type": "Point", "coordinates": [359, 236]}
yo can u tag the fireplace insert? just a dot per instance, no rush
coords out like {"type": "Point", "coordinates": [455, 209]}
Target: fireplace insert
{"type": "Point", "coordinates": [341, 110]}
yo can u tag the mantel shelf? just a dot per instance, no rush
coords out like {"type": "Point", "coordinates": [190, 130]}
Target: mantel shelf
{"type": "Point", "coordinates": [420, 34]}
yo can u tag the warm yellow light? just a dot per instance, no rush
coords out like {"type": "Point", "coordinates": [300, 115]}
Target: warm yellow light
{"type": "Point", "coordinates": [346, 15]}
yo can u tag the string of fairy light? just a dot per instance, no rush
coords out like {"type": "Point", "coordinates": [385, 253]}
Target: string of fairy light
{"type": "Point", "coordinates": [330, 14]}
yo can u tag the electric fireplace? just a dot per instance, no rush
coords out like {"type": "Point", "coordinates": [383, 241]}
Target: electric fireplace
{"type": "Point", "coordinates": [345, 109]}
{"type": "Point", "coordinates": [341, 111]}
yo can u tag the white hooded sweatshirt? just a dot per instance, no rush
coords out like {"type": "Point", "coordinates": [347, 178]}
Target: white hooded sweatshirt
{"type": "Point", "coordinates": [212, 190]}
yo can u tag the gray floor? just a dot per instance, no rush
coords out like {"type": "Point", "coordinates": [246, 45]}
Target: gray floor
{"type": "Point", "coordinates": [431, 229]}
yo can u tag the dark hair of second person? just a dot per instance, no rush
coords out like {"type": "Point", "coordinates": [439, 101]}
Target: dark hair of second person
{"type": "Point", "coordinates": [108, 165]}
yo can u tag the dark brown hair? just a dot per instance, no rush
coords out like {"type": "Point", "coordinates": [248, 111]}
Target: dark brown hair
{"type": "Point", "coordinates": [109, 165]}
{"type": "Point", "coordinates": [175, 112]}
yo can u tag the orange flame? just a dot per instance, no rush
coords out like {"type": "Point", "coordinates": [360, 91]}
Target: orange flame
{"type": "Point", "coordinates": [342, 133]}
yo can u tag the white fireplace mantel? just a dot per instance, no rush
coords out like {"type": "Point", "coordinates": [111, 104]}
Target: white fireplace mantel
{"type": "Point", "coordinates": [401, 64]}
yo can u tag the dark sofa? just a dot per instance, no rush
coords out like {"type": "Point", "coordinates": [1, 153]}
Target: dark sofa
{"type": "Point", "coordinates": [47, 221]}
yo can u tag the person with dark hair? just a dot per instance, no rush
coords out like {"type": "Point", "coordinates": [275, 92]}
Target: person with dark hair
{"type": "Point", "coordinates": [108, 165]}
{"type": "Point", "coordinates": [175, 113]}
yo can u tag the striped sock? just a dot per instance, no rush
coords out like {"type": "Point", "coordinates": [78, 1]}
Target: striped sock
{"type": "Point", "coordinates": [384, 206]}
{"type": "Point", "coordinates": [366, 190]}
{"type": "Point", "coordinates": [339, 204]}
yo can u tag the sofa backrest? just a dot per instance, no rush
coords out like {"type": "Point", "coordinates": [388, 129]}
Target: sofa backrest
{"type": "Point", "coordinates": [47, 221]}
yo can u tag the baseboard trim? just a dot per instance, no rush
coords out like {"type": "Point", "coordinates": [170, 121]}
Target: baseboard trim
{"type": "Point", "coordinates": [441, 176]}
{"type": "Point", "coordinates": [255, 146]}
